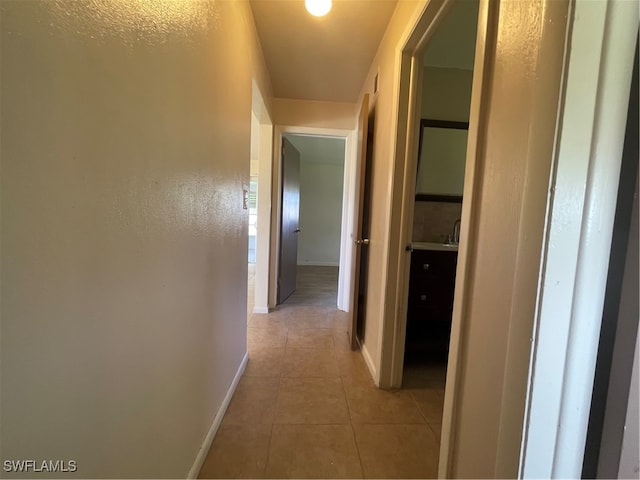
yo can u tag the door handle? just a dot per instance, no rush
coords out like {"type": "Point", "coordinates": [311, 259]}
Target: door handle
{"type": "Point", "coordinates": [364, 241]}
{"type": "Point", "coordinates": [297, 230]}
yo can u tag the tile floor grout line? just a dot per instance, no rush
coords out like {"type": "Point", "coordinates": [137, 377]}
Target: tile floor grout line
{"type": "Point", "coordinates": [418, 407]}
{"type": "Point", "coordinates": [266, 461]}
{"type": "Point", "coordinates": [273, 423]}
{"type": "Point", "coordinates": [353, 431]}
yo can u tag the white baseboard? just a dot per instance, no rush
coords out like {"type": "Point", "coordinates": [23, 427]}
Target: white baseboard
{"type": "Point", "coordinates": [208, 440]}
{"type": "Point", "coordinates": [313, 263]}
{"type": "Point", "coordinates": [260, 309]}
{"type": "Point", "coordinates": [370, 365]}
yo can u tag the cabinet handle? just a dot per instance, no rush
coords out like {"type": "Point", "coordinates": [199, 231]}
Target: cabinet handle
{"type": "Point", "coordinates": [425, 266]}
{"type": "Point", "coordinates": [423, 297]}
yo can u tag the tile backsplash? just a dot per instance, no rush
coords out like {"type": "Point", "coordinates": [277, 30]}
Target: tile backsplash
{"type": "Point", "coordinates": [433, 221]}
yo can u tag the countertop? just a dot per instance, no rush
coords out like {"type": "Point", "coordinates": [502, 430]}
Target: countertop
{"type": "Point", "coordinates": [443, 247]}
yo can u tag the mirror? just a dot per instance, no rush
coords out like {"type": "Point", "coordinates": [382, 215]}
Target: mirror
{"type": "Point", "coordinates": [441, 157]}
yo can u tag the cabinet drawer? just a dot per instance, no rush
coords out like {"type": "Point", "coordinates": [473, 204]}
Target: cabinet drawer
{"type": "Point", "coordinates": [432, 296]}
{"type": "Point", "coordinates": [435, 265]}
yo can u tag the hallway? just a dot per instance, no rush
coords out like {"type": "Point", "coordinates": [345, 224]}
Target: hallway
{"type": "Point", "coordinates": [306, 407]}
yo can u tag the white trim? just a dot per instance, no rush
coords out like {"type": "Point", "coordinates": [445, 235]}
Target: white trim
{"type": "Point", "coordinates": [391, 333]}
{"type": "Point", "coordinates": [215, 425]}
{"type": "Point", "coordinates": [347, 250]}
{"type": "Point", "coordinates": [583, 200]}
{"type": "Point", "coordinates": [466, 250]}
{"type": "Point", "coordinates": [263, 237]}
{"type": "Point", "coordinates": [260, 309]}
{"type": "Point", "coordinates": [370, 365]}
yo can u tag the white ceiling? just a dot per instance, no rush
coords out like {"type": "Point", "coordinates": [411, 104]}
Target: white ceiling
{"type": "Point", "coordinates": [319, 149]}
{"type": "Point", "coordinates": [326, 58]}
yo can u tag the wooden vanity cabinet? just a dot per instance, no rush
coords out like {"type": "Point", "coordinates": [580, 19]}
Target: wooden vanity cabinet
{"type": "Point", "coordinates": [430, 305]}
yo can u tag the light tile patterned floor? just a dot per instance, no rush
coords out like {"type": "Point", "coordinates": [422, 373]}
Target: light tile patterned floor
{"type": "Point", "coordinates": [306, 407]}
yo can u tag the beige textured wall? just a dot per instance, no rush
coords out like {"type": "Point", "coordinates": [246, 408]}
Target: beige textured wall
{"type": "Point", "coordinates": [385, 103]}
{"type": "Point", "coordinates": [446, 94]}
{"type": "Point", "coordinates": [321, 191]}
{"type": "Point", "coordinates": [125, 143]}
{"type": "Point", "coordinates": [306, 113]}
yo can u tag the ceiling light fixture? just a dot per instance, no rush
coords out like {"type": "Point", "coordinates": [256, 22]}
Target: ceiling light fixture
{"type": "Point", "coordinates": [319, 8]}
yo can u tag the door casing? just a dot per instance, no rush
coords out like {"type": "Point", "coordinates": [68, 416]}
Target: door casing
{"type": "Point", "coordinates": [346, 249]}
{"type": "Point", "coordinates": [263, 239]}
{"type": "Point", "coordinates": [394, 325]}
{"type": "Point", "coordinates": [561, 454]}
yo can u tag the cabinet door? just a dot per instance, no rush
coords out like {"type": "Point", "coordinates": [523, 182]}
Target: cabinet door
{"type": "Point", "coordinates": [433, 264]}
{"type": "Point", "coordinates": [432, 283]}
{"type": "Point", "coordinates": [431, 289]}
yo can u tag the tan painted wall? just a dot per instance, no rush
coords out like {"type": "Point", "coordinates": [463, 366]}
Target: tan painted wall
{"type": "Point", "coordinates": [125, 143]}
{"type": "Point", "coordinates": [446, 94]}
{"type": "Point", "coordinates": [306, 113]}
{"type": "Point", "coordinates": [507, 220]}
{"type": "Point", "coordinates": [385, 103]}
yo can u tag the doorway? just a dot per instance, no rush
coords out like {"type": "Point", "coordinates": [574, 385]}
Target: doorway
{"type": "Point", "coordinates": [326, 214]}
{"type": "Point", "coordinates": [417, 67]}
{"type": "Point", "coordinates": [258, 200]}
{"type": "Point", "coordinates": [321, 172]}
{"type": "Point", "coordinates": [446, 68]}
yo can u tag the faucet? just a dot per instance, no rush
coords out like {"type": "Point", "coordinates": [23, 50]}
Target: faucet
{"type": "Point", "coordinates": [456, 231]}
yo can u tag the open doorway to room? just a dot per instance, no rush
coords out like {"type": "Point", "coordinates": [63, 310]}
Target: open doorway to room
{"type": "Point", "coordinates": [318, 232]}
{"type": "Point", "coordinates": [447, 76]}
{"type": "Point", "coordinates": [307, 225]}
{"type": "Point", "coordinates": [440, 87]}
{"type": "Point", "coordinates": [251, 203]}
{"type": "Point", "coordinates": [258, 202]}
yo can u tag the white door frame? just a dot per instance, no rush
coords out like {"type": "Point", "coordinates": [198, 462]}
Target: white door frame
{"type": "Point", "coordinates": [345, 275]}
{"type": "Point", "coordinates": [580, 220]}
{"type": "Point", "coordinates": [572, 277]}
{"type": "Point", "coordinates": [411, 71]}
{"type": "Point", "coordinates": [411, 74]}
{"type": "Point", "coordinates": [263, 237]}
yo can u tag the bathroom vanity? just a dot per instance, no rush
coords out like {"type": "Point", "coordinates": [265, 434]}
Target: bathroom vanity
{"type": "Point", "coordinates": [436, 232]}
{"type": "Point", "coordinates": [430, 305]}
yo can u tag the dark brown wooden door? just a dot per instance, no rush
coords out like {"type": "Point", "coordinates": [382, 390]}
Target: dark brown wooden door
{"type": "Point", "coordinates": [290, 225]}
{"type": "Point", "coordinates": [361, 241]}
